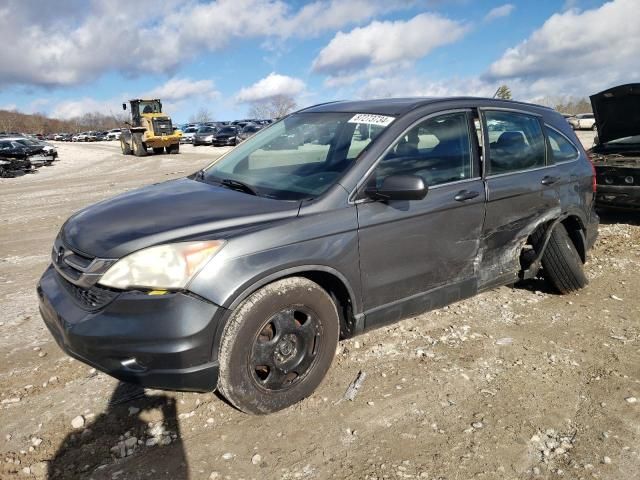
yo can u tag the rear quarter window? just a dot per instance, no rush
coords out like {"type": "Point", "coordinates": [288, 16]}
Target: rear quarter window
{"type": "Point", "coordinates": [560, 147]}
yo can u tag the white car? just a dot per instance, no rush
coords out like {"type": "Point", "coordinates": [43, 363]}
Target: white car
{"type": "Point", "coordinates": [114, 134]}
{"type": "Point", "coordinates": [582, 121]}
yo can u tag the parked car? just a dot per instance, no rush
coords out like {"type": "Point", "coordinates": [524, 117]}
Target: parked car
{"type": "Point", "coordinates": [187, 134]}
{"type": "Point", "coordinates": [114, 134]}
{"type": "Point", "coordinates": [225, 136]}
{"type": "Point", "coordinates": [40, 147]}
{"type": "Point", "coordinates": [582, 121]}
{"type": "Point", "coordinates": [616, 150]}
{"type": "Point", "coordinates": [84, 137]}
{"type": "Point", "coordinates": [203, 136]}
{"type": "Point", "coordinates": [19, 157]}
{"type": "Point", "coordinates": [248, 131]}
{"type": "Point", "coordinates": [245, 274]}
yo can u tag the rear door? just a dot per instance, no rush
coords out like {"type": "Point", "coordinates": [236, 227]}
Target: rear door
{"type": "Point", "coordinates": [417, 255]}
{"type": "Point", "coordinates": [521, 191]}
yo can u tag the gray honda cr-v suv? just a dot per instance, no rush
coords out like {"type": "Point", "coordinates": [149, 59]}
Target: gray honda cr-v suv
{"type": "Point", "coordinates": [337, 219]}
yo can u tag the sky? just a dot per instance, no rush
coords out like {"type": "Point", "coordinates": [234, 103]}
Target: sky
{"type": "Point", "coordinates": [65, 58]}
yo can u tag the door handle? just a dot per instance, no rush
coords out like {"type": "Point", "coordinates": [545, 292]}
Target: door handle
{"type": "Point", "coordinates": [463, 195]}
{"type": "Point", "coordinates": [549, 180]}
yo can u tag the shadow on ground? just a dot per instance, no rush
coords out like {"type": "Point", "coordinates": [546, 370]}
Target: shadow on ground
{"type": "Point", "coordinates": [611, 217]}
{"type": "Point", "coordinates": [133, 421]}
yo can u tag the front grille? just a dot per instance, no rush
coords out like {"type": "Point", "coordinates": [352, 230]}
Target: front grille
{"type": "Point", "coordinates": [90, 299]}
{"type": "Point", "coordinates": [162, 126]}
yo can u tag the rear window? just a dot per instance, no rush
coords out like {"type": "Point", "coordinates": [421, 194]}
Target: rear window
{"type": "Point", "coordinates": [515, 142]}
{"type": "Point", "coordinates": [560, 148]}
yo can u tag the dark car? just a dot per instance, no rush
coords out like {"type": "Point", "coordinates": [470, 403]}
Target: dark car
{"type": "Point", "coordinates": [616, 152]}
{"type": "Point", "coordinates": [244, 275]}
{"type": "Point", "coordinates": [15, 158]}
{"type": "Point", "coordinates": [226, 136]}
{"type": "Point", "coordinates": [204, 135]}
{"type": "Point", "coordinates": [13, 148]}
{"type": "Point", "coordinates": [248, 130]}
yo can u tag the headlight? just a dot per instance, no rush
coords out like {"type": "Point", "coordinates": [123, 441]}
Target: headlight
{"type": "Point", "coordinates": [170, 266]}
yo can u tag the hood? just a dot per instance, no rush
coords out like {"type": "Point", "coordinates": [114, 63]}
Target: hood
{"type": "Point", "coordinates": [176, 210]}
{"type": "Point", "coordinates": [617, 112]}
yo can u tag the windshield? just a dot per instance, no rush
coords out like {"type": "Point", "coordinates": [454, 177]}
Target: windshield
{"type": "Point", "coordinates": [206, 130]}
{"type": "Point", "coordinates": [149, 107]}
{"type": "Point", "coordinates": [299, 157]}
{"type": "Point", "coordinates": [227, 130]}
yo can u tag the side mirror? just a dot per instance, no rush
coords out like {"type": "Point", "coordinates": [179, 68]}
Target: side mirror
{"type": "Point", "coordinates": [124, 106]}
{"type": "Point", "coordinates": [399, 187]}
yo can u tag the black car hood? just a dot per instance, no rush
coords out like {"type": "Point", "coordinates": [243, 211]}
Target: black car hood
{"type": "Point", "coordinates": [171, 211]}
{"type": "Point", "coordinates": [617, 112]}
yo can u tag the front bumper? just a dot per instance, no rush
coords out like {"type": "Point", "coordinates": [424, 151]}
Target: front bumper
{"type": "Point", "coordinates": [163, 341]}
{"type": "Point", "coordinates": [162, 141]}
{"type": "Point", "coordinates": [222, 142]}
{"type": "Point", "coordinates": [618, 196]}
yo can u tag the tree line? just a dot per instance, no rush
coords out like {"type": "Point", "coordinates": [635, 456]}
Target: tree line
{"type": "Point", "coordinates": [15, 121]}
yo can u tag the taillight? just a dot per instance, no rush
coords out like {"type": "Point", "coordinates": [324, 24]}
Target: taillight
{"type": "Point", "coordinates": [594, 184]}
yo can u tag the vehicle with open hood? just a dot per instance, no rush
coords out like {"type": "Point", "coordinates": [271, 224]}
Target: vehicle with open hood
{"type": "Point", "coordinates": [616, 150]}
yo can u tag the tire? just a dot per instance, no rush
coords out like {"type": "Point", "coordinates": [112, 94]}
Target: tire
{"type": "Point", "coordinates": [158, 150]}
{"type": "Point", "coordinates": [124, 146]}
{"type": "Point", "coordinates": [173, 149]}
{"type": "Point", "coordinates": [561, 262]}
{"type": "Point", "coordinates": [292, 327]}
{"type": "Point", "coordinates": [139, 149]}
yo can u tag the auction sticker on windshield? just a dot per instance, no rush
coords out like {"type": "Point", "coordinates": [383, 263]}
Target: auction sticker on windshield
{"type": "Point", "coordinates": [372, 119]}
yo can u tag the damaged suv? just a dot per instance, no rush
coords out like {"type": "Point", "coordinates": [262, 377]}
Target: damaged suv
{"type": "Point", "coordinates": [340, 218]}
{"type": "Point", "coordinates": [616, 150]}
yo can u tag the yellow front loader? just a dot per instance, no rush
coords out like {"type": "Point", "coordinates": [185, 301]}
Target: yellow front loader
{"type": "Point", "coordinates": [149, 128]}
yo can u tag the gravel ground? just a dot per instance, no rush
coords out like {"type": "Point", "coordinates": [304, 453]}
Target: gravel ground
{"type": "Point", "coordinates": [515, 383]}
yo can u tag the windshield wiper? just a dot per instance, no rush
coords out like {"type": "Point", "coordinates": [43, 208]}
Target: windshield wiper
{"type": "Point", "coordinates": [237, 185]}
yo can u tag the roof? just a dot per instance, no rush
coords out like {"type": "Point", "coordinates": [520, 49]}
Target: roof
{"type": "Point", "coordinates": [395, 106]}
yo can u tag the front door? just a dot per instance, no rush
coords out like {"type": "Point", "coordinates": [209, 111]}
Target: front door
{"type": "Point", "coordinates": [420, 254]}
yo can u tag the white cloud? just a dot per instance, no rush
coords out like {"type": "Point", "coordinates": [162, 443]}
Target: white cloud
{"type": "Point", "coordinates": [412, 85]}
{"type": "Point", "coordinates": [575, 52]}
{"type": "Point", "coordinates": [71, 42]}
{"type": "Point", "coordinates": [271, 86]}
{"type": "Point", "coordinates": [76, 108]}
{"type": "Point", "coordinates": [380, 46]}
{"type": "Point", "coordinates": [499, 12]}
{"type": "Point", "coordinates": [177, 89]}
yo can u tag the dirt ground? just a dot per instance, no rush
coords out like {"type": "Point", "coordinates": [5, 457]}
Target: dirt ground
{"type": "Point", "coordinates": [516, 383]}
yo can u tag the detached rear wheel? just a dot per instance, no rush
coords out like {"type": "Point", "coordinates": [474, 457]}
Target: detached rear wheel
{"type": "Point", "coordinates": [278, 345]}
{"type": "Point", "coordinates": [562, 263]}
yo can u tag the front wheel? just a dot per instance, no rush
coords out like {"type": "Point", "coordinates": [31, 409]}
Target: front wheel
{"type": "Point", "coordinates": [278, 345]}
{"type": "Point", "coordinates": [173, 149]}
{"type": "Point", "coordinates": [124, 146]}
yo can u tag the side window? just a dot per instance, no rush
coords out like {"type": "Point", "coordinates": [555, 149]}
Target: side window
{"type": "Point", "coordinates": [560, 148]}
{"type": "Point", "coordinates": [515, 142]}
{"type": "Point", "coordinates": [438, 150]}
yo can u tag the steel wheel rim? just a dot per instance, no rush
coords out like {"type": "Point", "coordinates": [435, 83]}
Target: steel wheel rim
{"type": "Point", "coordinates": [285, 349]}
